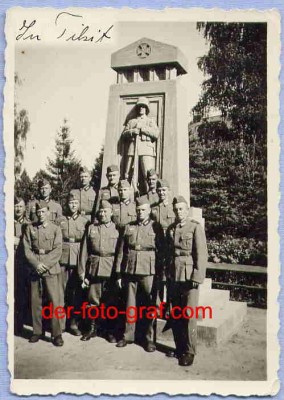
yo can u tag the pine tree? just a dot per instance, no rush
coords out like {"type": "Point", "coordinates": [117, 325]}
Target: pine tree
{"type": "Point", "coordinates": [97, 170]}
{"type": "Point", "coordinates": [63, 169]}
{"type": "Point", "coordinates": [24, 187]}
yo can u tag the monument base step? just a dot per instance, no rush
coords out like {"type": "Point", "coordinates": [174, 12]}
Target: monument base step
{"type": "Point", "coordinates": [225, 322]}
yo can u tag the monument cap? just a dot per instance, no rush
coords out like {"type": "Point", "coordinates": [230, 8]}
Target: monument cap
{"type": "Point", "coordinates": [141, 201]}
{"type": "Point", "coordinates": [123, 184]}
{"type": "Point", "coordinates": [179, 199]}
{"type": "Point", "coordinates": [151, 172]}
{"type": "Point", "coordinates": [162, 183]}
{"type": "Point", "coordinates": [143, 101]}
{"type": "Point", "coordinates": [105, 204]}
{"type": "Point", "coordinates": [73, 196]}
{"type": "Point", "coordinates": [43, 182]}
{"type": "Point", "coordinates": [112, 168]}
{"type": "Point", "coordinates": [40, 204]}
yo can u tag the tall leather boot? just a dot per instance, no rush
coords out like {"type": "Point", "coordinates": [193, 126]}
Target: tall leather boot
{"type": "Point", "coordinates": [92, 332]}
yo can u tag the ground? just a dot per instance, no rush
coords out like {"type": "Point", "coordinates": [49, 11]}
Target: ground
{"type": "Point", "coordinates": [243, 357]}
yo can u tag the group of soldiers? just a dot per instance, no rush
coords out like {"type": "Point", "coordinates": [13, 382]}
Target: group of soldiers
{"type": "Point", "coordinates": [113, 249]}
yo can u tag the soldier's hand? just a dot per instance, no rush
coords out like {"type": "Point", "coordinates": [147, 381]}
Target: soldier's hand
{"type": "Point", "coordinates": [16, 241]}
{"type": "Point", "coordinates": [195, 285]}
{"type": "Point", "coordinates": [40, 269]}
{"type": "Point", "coordinates": [85, 283]}
{"type": "Point", "coordinates": [119, 283]}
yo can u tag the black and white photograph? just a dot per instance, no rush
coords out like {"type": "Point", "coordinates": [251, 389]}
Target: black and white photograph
{"type": "Point", "coordinates": [144, 174]}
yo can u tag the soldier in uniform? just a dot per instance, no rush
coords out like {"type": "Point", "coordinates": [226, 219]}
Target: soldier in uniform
{"type": "Point", "coordinates": [145, 130]}
{"type": "Point", "coordinates": [20, 292]}
{"type": "Point", "coordinates": [109, 192]}
{"type": "Point", "coordinates": [97, 263]}
{"type": "Point", "coordinates": [86, 194]}
{"type": "Point", "coordinates": [124, 211]}
{"type": "Point", "coordinates": [43, 248]}
{"type": "Point", "coordinates": [73, 227]}
{"type": "Point", "coordinates": [138, 259]}
{"type": "Point", "coordinates": [187, 262]}
{"type": "Point", "coordinates": [162, 211]}
{"type": "Point", "coordinates": [55, 210]}
{"type": "Point", "coordinates": [152, 179]}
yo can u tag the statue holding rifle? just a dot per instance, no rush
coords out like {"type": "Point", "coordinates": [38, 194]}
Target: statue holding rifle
{"type": "Point", "coordinates": [141, 134]}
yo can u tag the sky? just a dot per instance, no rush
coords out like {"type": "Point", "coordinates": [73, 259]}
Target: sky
{"type": "Point", "coordinates": [66, 82]}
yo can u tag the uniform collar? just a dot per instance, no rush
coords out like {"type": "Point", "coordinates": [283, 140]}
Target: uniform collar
{"type": "Point", "coordinates": [74, 216]}
{"type": "Point", "coordinates": [85, 188]}
{"type": "Point", "coordinates": [164, 203]}
{"type": "Point", "coordinates": [152, 191]}
{"type": "Point", "coordinates": [44, 225]}
{"type": "Point", "coordinates": [108, 224]}
{"type": "Point", "coordinates": [113, 186]}
{"type": "Point", "coordinates": [146, 222]}
{"type": "Point", "coordinates": [20, 220]}
{"type": "Point", "coordinates": [181, 224]}
{"type": "Point", "coordinates": [126, 202]}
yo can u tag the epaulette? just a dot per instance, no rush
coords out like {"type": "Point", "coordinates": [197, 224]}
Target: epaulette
{"type": "Point", "coordinates": [194, 220]}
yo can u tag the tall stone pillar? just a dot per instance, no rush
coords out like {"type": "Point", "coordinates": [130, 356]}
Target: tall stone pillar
{"type": "Point", "coordinates": [153, 70]}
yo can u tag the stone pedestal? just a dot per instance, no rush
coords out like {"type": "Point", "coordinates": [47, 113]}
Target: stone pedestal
{"type": "Point", "coordinates": [227, 317]}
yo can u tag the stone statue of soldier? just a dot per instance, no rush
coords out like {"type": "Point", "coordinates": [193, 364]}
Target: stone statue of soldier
{"type": "Point", "coordinates": [141, 134]}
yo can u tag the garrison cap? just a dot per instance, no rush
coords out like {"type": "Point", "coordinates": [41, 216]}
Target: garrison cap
{"type": "Point", "coordinates": [105, 204]}
{"type": "Point", "coordinates": [162, 183]}
{"type": "Point", "coordinates": [123, 184]}
{"type": "Point", "coordinates": [112, 168]}
{"type": "Point", "coordinates": [84, 169]}
{"type": "Point", "coordinates": [151, 172]}
{"type": "Point", "coordinates": [41, 204]}
{"type": "Point", "coordinates": [179, 199]}
{"type": "Point", "coordinates": [73, 196]}
{"type": "Point", "coordinates": [140, 201]}
{"type": "Point", "coordinates": [43, 182]}
{"type": "Point", "coordinates": [18, 199]}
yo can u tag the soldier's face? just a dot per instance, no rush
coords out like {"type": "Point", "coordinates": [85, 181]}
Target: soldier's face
{"type": "Point", "coordinates": [85, 179]}
{"type": "Point", "coordinates": [142, 110]}
{"type": "Point", "coordinates": [19, 209]}
{"type": "Point", "coordinates": [45, 191]}
{"type": "Point", "coordinates": [124, 193]}
{"type": "Point", "coordinates": [152, 181]}
{"type": "Point", "coordinates": [181, 211]}
{"type": "Point", "coordinates": [105, 215]}
{"type": "Point", "coordinates": [113, 177]}
{"type": "Point", "coordinates": [143, 212]}
{"type": "Point", "coordinates": [163, 193]}
{"type": "Point", "coordinates": [42, 214]}
{"type": "Point", "coordinates": [73, 206]}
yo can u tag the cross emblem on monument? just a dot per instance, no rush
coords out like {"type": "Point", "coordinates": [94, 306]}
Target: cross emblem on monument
{"type": "Point", "coordinates": [143, 50]}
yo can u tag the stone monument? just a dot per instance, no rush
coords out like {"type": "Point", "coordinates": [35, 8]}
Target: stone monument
{"type": "Point", "coordinates": [149, 75]}
{"type": "Point", "coordinates": [147, 127]}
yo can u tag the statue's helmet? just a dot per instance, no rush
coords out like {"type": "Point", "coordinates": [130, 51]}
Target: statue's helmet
{"type": "Point", "coordinates": [143, 101]}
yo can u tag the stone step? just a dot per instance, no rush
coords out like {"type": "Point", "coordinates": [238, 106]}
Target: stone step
{"type": "Point", "coordinates": [225, 322]}
{"type": "Point", "coordinates": [206, 284]}
{"type": "Point", "coordinates": [208, 297]}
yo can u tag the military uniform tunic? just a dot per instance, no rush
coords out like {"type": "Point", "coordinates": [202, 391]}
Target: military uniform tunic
{"type": "Point", "coordinates": [109, 193]}
{"type": "Point", "coordinates": [97, 258]}
{"type": "Point", "coordinates": [87, 196]}
{"type": "Point", "coordinates": [55, 210]}
{"type": "Point", "coordinates": [123, 213]}
{"type": "Point", "coordinates": [72, 228]}
{"type": "Point", "coordinates": [164, 214]}
{"type": "Point", "coordinates": [43, 244]}
{"type": "Point", "coordinates": [139, 261]}
{"type": "Point", "coordinates": [187, 262]}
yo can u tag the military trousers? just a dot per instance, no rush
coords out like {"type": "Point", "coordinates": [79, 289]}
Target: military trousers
{"type": "Point", "coordinates": [49, 286]}
{"type": "Point", "coordinates": [184, 330]}
{"type": "Point", "coordinates": [71, 293]}
{"type": "Point", "coordinates": [139, 292]}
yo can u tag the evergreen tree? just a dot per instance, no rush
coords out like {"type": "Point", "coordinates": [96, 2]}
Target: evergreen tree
{"type": "Point", "coordinates": [97, 170]}
{"type": "Point", "coordinates": [63, 169]}
{"type": "Point", "coordinates": [24, 187]}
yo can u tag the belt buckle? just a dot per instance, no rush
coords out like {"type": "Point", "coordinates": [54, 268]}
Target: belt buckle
{"type": "Point", "coordinates": [137, 247]}
{"type": "Point", "coordinates": [71, 240]}
{"type": "Point", "coordinates": [41, 252]}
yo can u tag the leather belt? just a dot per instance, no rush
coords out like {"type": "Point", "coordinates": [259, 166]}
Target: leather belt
{"type": "Point", "coordinates": [41, 252]}
{"type": "Point", "coordinates": [138, 247]}
{"type": "Point", "coordinates": [102, 255]}
{"type": "Point", "coordinates": [179, 252]}
{"type": "Point", "coordinates": [71, 240]}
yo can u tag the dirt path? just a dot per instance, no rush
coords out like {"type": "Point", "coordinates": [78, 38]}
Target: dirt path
{"type": "Point", "coordinates": [243, 357]}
